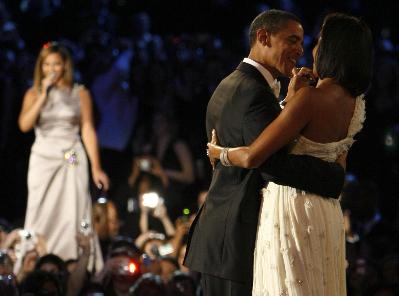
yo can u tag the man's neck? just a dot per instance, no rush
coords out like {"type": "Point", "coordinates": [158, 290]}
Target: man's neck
{"type": "Point", "coordinates": [253, 56]}
{"type": "Point", "coordinates": [264, 71]}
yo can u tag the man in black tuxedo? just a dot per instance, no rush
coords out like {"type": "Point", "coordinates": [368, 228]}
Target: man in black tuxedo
{"type": "Point", "coordinates": [222, 237]}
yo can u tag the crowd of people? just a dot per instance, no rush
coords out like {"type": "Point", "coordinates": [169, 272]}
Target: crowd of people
{"type": "Point", "coordinates": [149, 96]}
{"type": "Point", "coordinates": [151, 264]}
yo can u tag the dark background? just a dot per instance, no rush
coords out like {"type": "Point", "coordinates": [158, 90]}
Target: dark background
{"type": "Point", "coordinates": [372, 162]}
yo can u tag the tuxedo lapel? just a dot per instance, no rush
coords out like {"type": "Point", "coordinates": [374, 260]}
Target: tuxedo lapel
{"type": "Point", "coordinates": [254, 73]}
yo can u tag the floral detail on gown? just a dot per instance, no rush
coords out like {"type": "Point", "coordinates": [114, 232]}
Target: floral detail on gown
{"type": "Point", "coordinates": [300, 245]}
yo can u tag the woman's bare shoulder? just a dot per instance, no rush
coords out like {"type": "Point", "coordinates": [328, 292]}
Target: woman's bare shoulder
{"type": "Point", "coordinates": [308, 92]}
{"type": "Point", "coordinates": [312, 96]}
{"type": "Point", "coordinates": [304, 96]}
{"type": "Point", "coordinates": [82, 90]}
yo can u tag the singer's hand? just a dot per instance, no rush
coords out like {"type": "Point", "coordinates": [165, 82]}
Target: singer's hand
{"type": "Point", "coordinates": [100, 178]}
{"type": "Point", "coordinates": [47, 82]}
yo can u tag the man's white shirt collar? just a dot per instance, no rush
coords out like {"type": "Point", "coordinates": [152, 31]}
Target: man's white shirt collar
{"type": "Point", "coordinates": [273, 83]}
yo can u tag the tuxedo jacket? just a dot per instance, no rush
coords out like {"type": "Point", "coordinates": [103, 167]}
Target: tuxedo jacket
{"type": "Point", "coordinates": [222, 236]}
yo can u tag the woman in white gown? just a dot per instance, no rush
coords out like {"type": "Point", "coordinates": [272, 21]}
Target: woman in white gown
{"type": "Point", "coordinates": [300, 246]}
{"type": "Point", "coordinates": [58, 177]}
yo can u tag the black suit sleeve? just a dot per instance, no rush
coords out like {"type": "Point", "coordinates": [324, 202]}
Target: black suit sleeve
{"type": "Point", "coordinates": [304, 172]}
{"type": "Point", "coordinates": [300, 171]}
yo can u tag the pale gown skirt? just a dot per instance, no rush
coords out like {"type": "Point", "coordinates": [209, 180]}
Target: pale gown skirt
{"type": "Point", "coordinates": [59, 198]}
{"type": "Point", "coordinates": [300, 246]}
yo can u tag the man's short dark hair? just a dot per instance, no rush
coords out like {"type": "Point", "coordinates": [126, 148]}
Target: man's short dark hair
{"type": "Point", "coordinates": [272, 21]}
{"type": "Point", "coordinates": [345, 52]}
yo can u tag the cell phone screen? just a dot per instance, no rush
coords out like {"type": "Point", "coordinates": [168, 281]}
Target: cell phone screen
{"type": "Point", "coordinates": [165, 249]}
{"type": "Point", "coordinates": [150, 199]}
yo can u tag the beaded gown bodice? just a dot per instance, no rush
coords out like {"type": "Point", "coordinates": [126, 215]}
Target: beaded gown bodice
{"type": "Point", "coordinates": [331, 151]}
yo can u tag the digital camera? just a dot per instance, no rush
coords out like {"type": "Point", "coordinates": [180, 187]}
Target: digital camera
{"type": "Point", "coordinates": [151, 200]}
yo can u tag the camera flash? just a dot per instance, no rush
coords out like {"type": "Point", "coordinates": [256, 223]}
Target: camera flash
{"type": "Point", "coordinates": [132, 267]}
{"type": "Point", "coordinates": [151, 199]}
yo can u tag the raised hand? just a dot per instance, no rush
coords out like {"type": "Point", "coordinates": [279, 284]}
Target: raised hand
{"type": "Point", "coordinates": [301, 77]}
{"type": "Point", "coordinates": [160, 212]}
{"type": "Point", "coordinates": [156, 167]}
{"type": "Point", "coordinates": [84, 242]}
{"type": "Point", "coordinates": [48, 81]}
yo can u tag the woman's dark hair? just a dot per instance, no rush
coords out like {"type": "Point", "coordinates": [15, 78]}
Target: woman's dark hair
{"type": "Point", "coordinates": [35, 283]}
{"type": "Point", "coordinates": [8, 285]}
{"type": "Point", "coordinates": [122, 245]}
{"type": "Point", "coordinates": [53, 259]}
{"type": "Point", "coordinates": [155, 183]}
{"type": "Point", "coordinates": [171, 260]}
{"type": "Point", "coordinates": [61, 274]}
{"type": "Point", "coordinates": [5, 225]}
{"type": "Point", "coordinates": [345, 52]}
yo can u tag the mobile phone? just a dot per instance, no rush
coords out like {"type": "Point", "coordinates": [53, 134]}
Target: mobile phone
{"type": "Point", "coordinates": [25, 233]}
{"type": "Point", "coordinates": [151, 200]}
{"type": "Point", "coordinates": [165, 249]}
{"type": "Point", "coordinates": [145, 165]}
{"type": "Point", "coordinates": [85, 227]}
{"type": "Point", "coordinates": [186, 215]}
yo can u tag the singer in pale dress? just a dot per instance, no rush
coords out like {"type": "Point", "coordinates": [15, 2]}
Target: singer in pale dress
{"type": "Point", "coordinates": [58, 176]}
{"type": "Point", "coordinates": [300, 245]}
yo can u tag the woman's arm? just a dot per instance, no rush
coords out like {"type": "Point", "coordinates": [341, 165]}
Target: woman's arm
{"type": "Point", "coordinates": [77, 278]}
{"type": "Point", "coordinates": [157, 170]}
{"type": "Point", "coordinates": [144, 212]}
{"type": "Point", "coordinates": [161, 213]}
{"type": "Point", "coordinates": [33, 103]}
{"type": "Point", "coordinates": [89, 138]}
{"type": "Point", "coordinates": [31, 106]}
{"type": "Point", "coordinates": [182, 228]}
{"type": "Point", "coordinates": [186, 174]}
{"type": "Point", "coordinates": [280, 132]}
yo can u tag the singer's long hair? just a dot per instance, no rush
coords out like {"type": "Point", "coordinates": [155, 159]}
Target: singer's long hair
{"type": "Point", "coordinates": [47, 49]}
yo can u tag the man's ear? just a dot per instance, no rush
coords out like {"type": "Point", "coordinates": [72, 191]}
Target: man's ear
{"type": "Point", "coordinates": [263, 37]}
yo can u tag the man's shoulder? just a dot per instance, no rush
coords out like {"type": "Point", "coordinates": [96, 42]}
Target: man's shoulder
{"type": "Point", "coordinates": [240, 90]}
{"type": "Point", "coordinates": [242, 82]}
{"type": "Point", "coordinates": [247, 73]}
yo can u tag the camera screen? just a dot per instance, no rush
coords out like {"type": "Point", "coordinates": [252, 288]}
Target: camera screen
{"type": "Point", "coordinates": [165, 249]}
{"type": "Point", "coordinates": [145, 165]}
{"type": "Point", "coordinates": [151, 199]}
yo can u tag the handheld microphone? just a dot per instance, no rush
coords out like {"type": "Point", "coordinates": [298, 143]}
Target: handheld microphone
{"type": "Point", "coordinates": [52, 76]}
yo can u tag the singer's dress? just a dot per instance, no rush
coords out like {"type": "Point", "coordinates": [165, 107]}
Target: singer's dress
{"type": "Point", "coordinates": [300, 245]}
{"type": "Point", "coordinates": [58, 177]}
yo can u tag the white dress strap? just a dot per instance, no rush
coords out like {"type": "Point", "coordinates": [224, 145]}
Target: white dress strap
{"type": "Point", "coordinates": [359, 115]}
